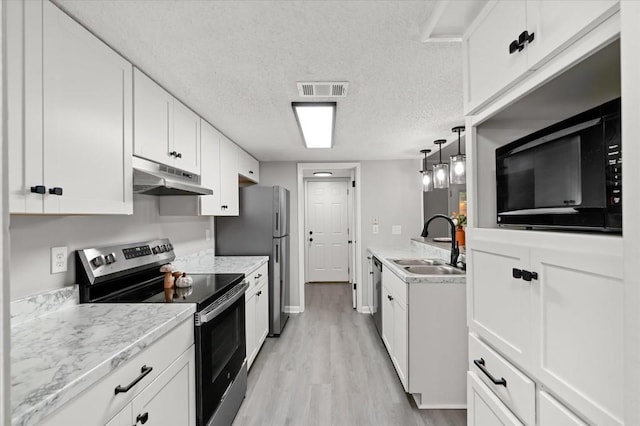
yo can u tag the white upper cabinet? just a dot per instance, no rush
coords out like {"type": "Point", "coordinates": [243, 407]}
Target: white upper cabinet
{"type": "Point", "coordinates": [153, 118]}
{"type": "Point", "coordinates": [229, 195]}
{"type": "Point", "coordinates": [488, 65]}
{"type": "Point", "coordinates": [186, 138]}
{"type": "Point", "coordinates": [210, 177]}
{"type": "Point", "coordinates": [511, 38]}
{"type": "Point", "coordinates": [166, 131]}
{"type": "Point", "coordinates": [248, 167]}
{"type": "Point", "coordinates": [74, 154]}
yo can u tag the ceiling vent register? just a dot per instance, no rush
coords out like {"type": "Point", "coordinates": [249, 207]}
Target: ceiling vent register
{"type": "Point", "coordinates": [324, 89]}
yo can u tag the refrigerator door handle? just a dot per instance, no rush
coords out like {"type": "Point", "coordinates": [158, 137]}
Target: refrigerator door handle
{"type": "Point", "coordinates": [277, 221]}
{"type": "Point", "coordinates": [277, 251]}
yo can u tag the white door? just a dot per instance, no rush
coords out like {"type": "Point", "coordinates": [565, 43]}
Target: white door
{"type": "Point", "coordinates": [327, 231]}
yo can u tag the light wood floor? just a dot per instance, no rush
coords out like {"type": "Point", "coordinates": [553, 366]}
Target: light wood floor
{"type": "Point", "coordinates": [330, 367]}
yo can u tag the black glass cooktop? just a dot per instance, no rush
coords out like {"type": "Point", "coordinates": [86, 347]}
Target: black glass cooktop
{"type": "Point", "coordinates": [205, 290]}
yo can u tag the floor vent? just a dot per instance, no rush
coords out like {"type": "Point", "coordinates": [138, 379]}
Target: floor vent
{"type": "Point", "coordinates": [323, 89]}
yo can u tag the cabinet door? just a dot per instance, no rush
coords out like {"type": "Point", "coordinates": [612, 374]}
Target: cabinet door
{"type": "Point", "coordinates": [210, 168]}
{"type": "Point", "coordinates": [488, 65]}
{"type": "Point", "coordinates": [170, 399]}
{"type": "Point", "coordinates": [186, 138]}
{"type": "Point", "coordinates": [553, 31]}
{"type": "Point", "coordinates": [262, 313]}
{"type": "Point", "coordinates": [248, 166]}
{"type": "Point", "coordinates": [387, 320]}
{"type": "Point", "coordinates": [153, 120]}
{"type": "Point", "coordinates": [24, 104]}
{"type": "Point", "coordinates": [250, 327]}
{"type": "Point", "coordinates": [554, 413]}
{"type": "Point", "coordinates": [499, 305]}
{"type": "Point", "coordinates": [229, 195]}
{"type": "Point", "coordinates": [87, 120]}
{"type": "Point", "coordinates": [578, 319]}
{"type": "Point", "coordinates": [123, 418]}
{"type": "Point", "coordinates": [484, 408]}
{"type": "Point", "coordinates": [400, 341]}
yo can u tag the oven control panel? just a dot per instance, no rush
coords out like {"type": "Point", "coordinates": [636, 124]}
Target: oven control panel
{"type": "Point", "coordinates": [133, 252]}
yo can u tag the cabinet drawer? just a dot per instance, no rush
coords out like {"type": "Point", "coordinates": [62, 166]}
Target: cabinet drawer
{"type": "Point", "coordinates": [98, 404]}
{"type": "Point", "coordinates": [552, 412]}
{"type": "Point", "coordinates": [484, 408]}
{"type": "Point", "coordinates": [397, 288]}
{"type": "Point", "coordinates": [256, 278]}
{"type": "Point", "coordinates": [518, 393]}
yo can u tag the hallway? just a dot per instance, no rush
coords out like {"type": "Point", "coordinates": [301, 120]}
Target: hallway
{"type": "Point", "coordinates": [330, 367]}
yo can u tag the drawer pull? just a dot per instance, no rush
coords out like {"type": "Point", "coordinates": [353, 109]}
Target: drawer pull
{"type": "Point", "coordinates": [390, 297]}
{"type": "Point", "coordinates": [259, 293]}
{"type": "Point", "coordinates": [480, 364]}
{"type": "Point", "coordinates": [142, 418]}
{"type": "Point", "coordinates": [143, 372]}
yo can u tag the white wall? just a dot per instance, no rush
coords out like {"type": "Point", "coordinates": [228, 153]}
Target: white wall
{"type": "Point", "coordinates": [5, 376]}
{"type": "Point", "coordinates": [391, 190]}
{"type": "Point", "coordinates": [33, 236]}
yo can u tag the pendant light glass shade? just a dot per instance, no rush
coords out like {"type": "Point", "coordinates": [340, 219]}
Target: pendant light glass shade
{"type": "Point", "coordinates": [458, 162]}
{"type": "Point", "coordinates": [427, 175]}
{"type": "Point", "coordinates": [440, 170]}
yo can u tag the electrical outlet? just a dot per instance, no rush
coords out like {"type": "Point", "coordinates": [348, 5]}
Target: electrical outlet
{"type": "Point", "coordinates": [375, 221]}
{"type": "Point", "coordinates": [396, 230]}
{"type": "Point", "coordinates": [376, 229]}
{"type": "Point", "coordinates": [58, 259]}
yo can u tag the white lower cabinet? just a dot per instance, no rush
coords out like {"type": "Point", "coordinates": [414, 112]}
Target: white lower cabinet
{"type": "Point", "coordinates": [157, 384]}
{"type": "Point", "coordinates": [424, 330]}
{"type": "Point", "coordinates": [554, 310]}
{"type": "Point", "coordinates": [484, 408]}
{"type": "Point", "coordinates": [256, 312]}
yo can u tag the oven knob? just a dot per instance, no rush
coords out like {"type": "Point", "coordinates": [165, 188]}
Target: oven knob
{"type": "Point", "coordinates": [161, 248]}
{"type": "Point", "coordinates": [97, 261]}
{"type": "Point", "coordinates": [155, 250]}
{"type": "Point", "coordinates": [110, 258]}
{"type": "Point", "coordinates": [170, 246]}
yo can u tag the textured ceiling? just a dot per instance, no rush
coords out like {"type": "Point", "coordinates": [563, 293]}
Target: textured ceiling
{"type": "Point", "coordinates": [236, 63]}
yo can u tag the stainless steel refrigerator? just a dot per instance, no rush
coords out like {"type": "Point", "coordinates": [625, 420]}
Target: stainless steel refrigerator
{"type": "Point", "coordinates": [261, 229]}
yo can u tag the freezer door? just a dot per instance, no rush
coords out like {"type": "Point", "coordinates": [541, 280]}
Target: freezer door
{"type": "Point", "coordinates": [280, 211]}
{"type": "Point", "coordinates": [279, 286]}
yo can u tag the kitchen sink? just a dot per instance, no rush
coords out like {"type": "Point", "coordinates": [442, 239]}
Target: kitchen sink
{"type": "Point", "coordinates": [417, 262]}
{"type": "Point", "coordinates": [434, 270]}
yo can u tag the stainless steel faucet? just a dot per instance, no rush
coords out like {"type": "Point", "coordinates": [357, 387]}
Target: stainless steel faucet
{"type": "Point", "coordinates": [455, 250]}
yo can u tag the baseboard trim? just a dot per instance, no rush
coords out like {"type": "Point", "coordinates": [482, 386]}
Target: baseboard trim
{"type": "Point", "coordinates": [418, 399]}
{"type": "Point", "coordinates": [292, 309]}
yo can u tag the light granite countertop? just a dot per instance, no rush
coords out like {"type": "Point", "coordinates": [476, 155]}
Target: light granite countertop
{"type": "Point", "coordinates": [416, 250]}
{"type": "Point", "coordinates": [206, 262]}
{"type": "Point", "coordinates": [57, 356]}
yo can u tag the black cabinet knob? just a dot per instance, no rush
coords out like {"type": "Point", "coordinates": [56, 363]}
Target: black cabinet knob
{"type": "Point", "coordinates": [250, 172]}
{"type": "Point", "coordinates": [39, 189]}
{"type": "Point", "coordinates": [173, 153]}
{"type": "Point", "coordinates": [517, 273]}
{"type": "Point", "coordinates": [528, 275]}
{"type": "Point", "coordinates": [310, 239]}
{"type": "Point", "coordinates": [142, 418]}
{"type": "Point", "coordinates": [179, 155]}
{"type": "Point", "coordinates": [55, 191]}
{"type": "Point", "coordinates": [310, 232]}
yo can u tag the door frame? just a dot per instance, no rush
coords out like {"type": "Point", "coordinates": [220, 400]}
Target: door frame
{"type": "Point", "coordinates": [351, 274]}
{"type": "Point", "coordinates": [356, 250]}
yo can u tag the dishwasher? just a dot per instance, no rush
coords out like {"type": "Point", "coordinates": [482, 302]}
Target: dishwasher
{"type": "Point", "coordinates": [376, 309]}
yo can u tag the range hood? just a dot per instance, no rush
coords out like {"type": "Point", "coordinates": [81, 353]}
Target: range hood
{"type": "Point", "coordinates": [157, 179]}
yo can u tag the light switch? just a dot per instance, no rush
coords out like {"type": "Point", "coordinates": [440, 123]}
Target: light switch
{"type": "Point", "coordinates": [396, 229]}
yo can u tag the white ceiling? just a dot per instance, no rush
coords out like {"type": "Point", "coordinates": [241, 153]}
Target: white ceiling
{"type": "Point", "coordinates": [236, 63]}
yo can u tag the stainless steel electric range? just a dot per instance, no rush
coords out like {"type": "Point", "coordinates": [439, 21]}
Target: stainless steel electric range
{"type": "Point", "coordinates": [130, 273]}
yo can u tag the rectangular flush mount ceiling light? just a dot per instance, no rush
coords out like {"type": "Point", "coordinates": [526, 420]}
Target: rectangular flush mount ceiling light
{"type": "Point", "coordinates": [316, 121]}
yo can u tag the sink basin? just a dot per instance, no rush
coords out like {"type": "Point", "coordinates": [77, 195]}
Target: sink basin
{"type": "Point", "coordinates": [434, 270]}
{"type": "Point", "coordinates": [418, 262]}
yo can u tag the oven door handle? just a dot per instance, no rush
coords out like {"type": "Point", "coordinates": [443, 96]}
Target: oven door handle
{"type": "Point", "coordinates": [220, 305]}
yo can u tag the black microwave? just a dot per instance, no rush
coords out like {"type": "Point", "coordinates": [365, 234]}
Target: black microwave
{"type": "Point", "coordinates": [566, 176]}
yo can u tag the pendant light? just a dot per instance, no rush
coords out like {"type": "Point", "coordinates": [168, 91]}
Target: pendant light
{"type": "Point", "coordinates": [458, 162]}
{"type": "Point", "coordinates": [427, 175]}
{"type": "Point", "coordinates": [440, 170]}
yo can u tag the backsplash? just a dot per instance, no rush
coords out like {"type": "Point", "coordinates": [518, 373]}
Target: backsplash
{"type": "Point", "coordinates": [32, 236]}
{"type": "Point", "coordinates": [31, 307]}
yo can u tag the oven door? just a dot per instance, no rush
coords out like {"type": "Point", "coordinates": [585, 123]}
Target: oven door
{"type": "Point", "coordinates": [220, 350]}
